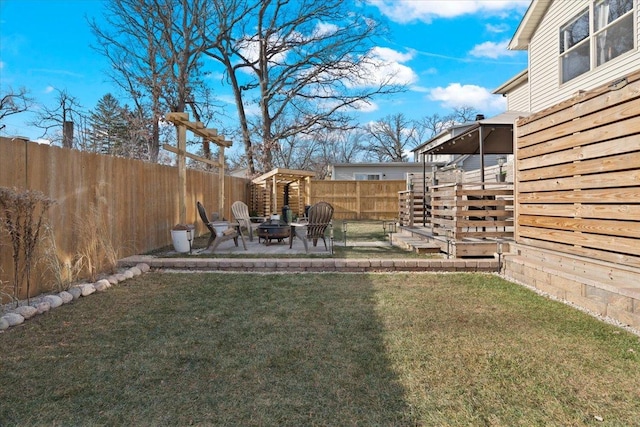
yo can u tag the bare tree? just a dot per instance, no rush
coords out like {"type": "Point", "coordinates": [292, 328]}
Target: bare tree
{"type": "Point", "coordinates": [391, 137]}
{"type": "Point", "coordinates": [14, 102]}
{"type": "Point", "coordinates": [57, 122]}
{"type": "Point", "coordinates": [305, 63]}
{"type": "Point", "coordinates": [155, 49]}
{"type": "Point", "coordinates": [464, 114]}
{"type": "Point", "coordinates": [429, 126]}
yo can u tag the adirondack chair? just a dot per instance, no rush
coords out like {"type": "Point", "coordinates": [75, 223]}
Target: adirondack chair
{"type": "Point", "coordinates": [228, 234]}
{"type": "Point", "coordinates": [319, 216]}
{"type": "Point", "coordinates": [240, 212]}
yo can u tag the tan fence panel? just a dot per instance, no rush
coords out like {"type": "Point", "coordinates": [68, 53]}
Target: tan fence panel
{"type": "Point", "coordinates": [136, 202]}
{"type": "Point", "coordinates": [578, 175]}
{"type": "Point", "coordinates": [362, 200]}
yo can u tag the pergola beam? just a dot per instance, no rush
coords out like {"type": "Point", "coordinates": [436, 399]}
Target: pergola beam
{"type": "Point", "coordinates": [182, 123]}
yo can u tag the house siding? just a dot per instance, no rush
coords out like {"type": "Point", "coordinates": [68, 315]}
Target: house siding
{"type": "Point", "coordinates": [518, 99]}
{"type": "Point", "coordinates": [544, 70]}
{"type": "Point", "coordinates": [348, 172]}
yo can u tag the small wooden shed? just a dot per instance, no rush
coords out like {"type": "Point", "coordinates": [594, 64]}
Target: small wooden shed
{"type": "Point", "coordinates": [273, 190]}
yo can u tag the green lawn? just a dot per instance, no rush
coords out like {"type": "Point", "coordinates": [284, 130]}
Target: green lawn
{"type": "Point", "coordinates": [318, 349]}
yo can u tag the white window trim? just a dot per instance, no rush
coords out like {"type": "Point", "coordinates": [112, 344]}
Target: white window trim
{"type": "Point", "coordinates": [592, 43]}
{"type": "Point", "coordinates": [367, 175]}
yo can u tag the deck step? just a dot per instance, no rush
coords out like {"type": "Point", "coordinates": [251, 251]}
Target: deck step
{"type": "Point", "coordinates": [414, 244]}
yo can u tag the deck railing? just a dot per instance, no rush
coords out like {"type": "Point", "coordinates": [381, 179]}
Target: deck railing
{"type": "Point", "coordinates": [472, 210]}
{"type": "Point", "coordinates": [461, 210]}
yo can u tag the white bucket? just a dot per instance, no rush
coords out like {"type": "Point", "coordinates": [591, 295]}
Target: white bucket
{"type": "Point", "coordinates": [180, 240]}
{"type": "Point", "coordinates": [220, 227]}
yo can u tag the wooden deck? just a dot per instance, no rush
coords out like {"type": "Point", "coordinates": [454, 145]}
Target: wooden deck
{"type": "Point", "coordinates": [423, 240]}
{"type": "Point", "coordinates": [462, 219]}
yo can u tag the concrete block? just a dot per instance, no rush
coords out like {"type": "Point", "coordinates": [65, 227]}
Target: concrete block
{"type": "Point", "coordinates": [593, 305]}
{"type": "Point", "coordinates": [624, 316]}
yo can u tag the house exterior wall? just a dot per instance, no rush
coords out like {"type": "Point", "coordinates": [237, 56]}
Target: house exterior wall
{"type": "Point", "coordinates": [544, 59]}
{"type": "Point", "coordinates": [385, 171]}
{"type": "Point", "coordinates": [518, 99]}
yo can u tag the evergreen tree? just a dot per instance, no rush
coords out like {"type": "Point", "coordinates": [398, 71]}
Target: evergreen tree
{"type": "Point", "coordinates": [108, 127]}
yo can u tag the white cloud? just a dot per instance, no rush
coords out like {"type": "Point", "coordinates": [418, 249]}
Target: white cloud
{"type": "Point", "coordinates": [365, 107]}
{"type": "Point", "coordinates": [1, 65]}
{"type": "Point", "coordinates": [403, 11]}
{"type": "Point", "coordinates": [386, 66]}
{"type": "Point", "coordinates": [325, 29]}
{"type": "Point", "coordinates": [497, 29]}
{"type": "Point", "coordinates": [492, 50]}
{"type": "Point", "coordinates": [457, 95]}
{"type": "Point", "coordinates": [49, 89]}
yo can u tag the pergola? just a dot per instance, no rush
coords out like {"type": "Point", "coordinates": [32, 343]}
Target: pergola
{"type": "Point", "coordinates": [182, 123]}
{"type": "Point", "coordinates": [486, 136]}
{"type": "Point", "coordinates": [278, 185]}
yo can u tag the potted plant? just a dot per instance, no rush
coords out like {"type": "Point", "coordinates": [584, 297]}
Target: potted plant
{"type": "Point", "coordinates": [181, 236]}
{"type": "Point", "coordinates": [502, 172]}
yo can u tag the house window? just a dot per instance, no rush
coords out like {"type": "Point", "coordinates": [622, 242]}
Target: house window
{"type": "Point", "coordinates": [367, 176]}
{"type": "Point", "coordinates": [574, 47]}
{"type": "Point", "coordinates": [613, 24]}
{"type": "Point", "coordinates": [586, 43]}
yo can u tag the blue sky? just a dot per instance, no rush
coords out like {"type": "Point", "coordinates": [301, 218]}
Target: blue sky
{"type": "Point", "coordinates": [450, 52]}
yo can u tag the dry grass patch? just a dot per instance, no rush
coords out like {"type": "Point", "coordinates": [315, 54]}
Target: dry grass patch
{"type": "Point", "coordinates": [318, 349]}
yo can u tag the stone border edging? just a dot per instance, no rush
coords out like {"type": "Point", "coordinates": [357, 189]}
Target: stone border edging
{"type": "Point", "coordinates": [295, 265]}
{"type": "Point", "coordinates": [44, 303]}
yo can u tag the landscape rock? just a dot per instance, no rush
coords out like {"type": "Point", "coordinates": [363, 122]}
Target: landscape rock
{"type": "Point", "coordinates": [43, 307]}
{"type": "Point", "coordinates": [143, 267]}
{"type": "Point", "coordinates": [66, 297]}
{"type": "Point", "coordinates": [13, 319]}
{"type": "Point", "coordinates": [113, 279]}
{"type": "Point", "coordinates": [54, 300]}
{"type": "Point", "coordinates": [88, 289]}
{"type": "Point", "coordinates": [136, 271]}
{"type": "Point", "coordinates": [26, 311]}
{"type": "Point", "coordinates": [121, 277]}
{"type": "Point", "coordinates": [128, 274]}
{"type": "Point", "coordinates": [102, 285]}
{"type": "Point", "coordinates": [75, 292]}
{"type": "Point", "coordinates": [4, 324]}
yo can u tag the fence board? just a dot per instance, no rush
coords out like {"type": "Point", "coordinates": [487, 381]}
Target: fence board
{"type": "Point", "coordinates": [578, 175]}
{"type": "Point", "coordinates": [579, 105]}
{"type": "Point", "coordinates": [137, 202]}
{"type": "Point", "coordinates": [622, 212]}
{"type": "Point", "coordinates": [362, 200]}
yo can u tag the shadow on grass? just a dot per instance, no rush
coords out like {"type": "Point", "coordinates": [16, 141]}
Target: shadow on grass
{"type": "Point", "coordinates": [209, 349]}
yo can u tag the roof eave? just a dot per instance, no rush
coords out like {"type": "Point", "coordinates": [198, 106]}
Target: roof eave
{"type": "Point", "coordinates": [529, 24]}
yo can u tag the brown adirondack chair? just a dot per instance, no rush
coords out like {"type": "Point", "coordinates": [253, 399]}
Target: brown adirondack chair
{"type": "Point", "coordinates": [228, 234]}
{"type": "Point", "coordinates": [320, 215]}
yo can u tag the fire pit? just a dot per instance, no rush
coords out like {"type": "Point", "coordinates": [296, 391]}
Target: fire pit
{"type": "Point", "coordinates": [273, 230]}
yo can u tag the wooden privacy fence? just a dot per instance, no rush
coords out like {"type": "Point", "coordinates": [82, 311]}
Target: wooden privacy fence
{"type": "Point", "coordinates": [360, 200]}
{"type": "Point", "coordinates": [578, 175]}
{"type": "Point", "coordinates": [137, 202]}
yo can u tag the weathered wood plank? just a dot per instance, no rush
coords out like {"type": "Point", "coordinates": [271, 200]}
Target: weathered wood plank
{"type": "Point", "coordinates": [564, 111]}
{"type": "Point", "coordinates": [622, 162]}
{"type": "Point", "coordinates": [629, 246]}
{"type": "Point", "coordinates": [629, 229]}
{"type": "Point", "coordinates": [624, 212]}
{"type": "Point", "coordinates": [608, 114]}
{"type": "Point", "coordinates": [601, 195]}
{"type": "Point", "coordinates": [572, 149]}
{"type": "Point", "coordinates": [608, 274]}
{"type": "Point", "coordinates": [596, 254]}
{"type": "Point", "coordinates": [547, 182]}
